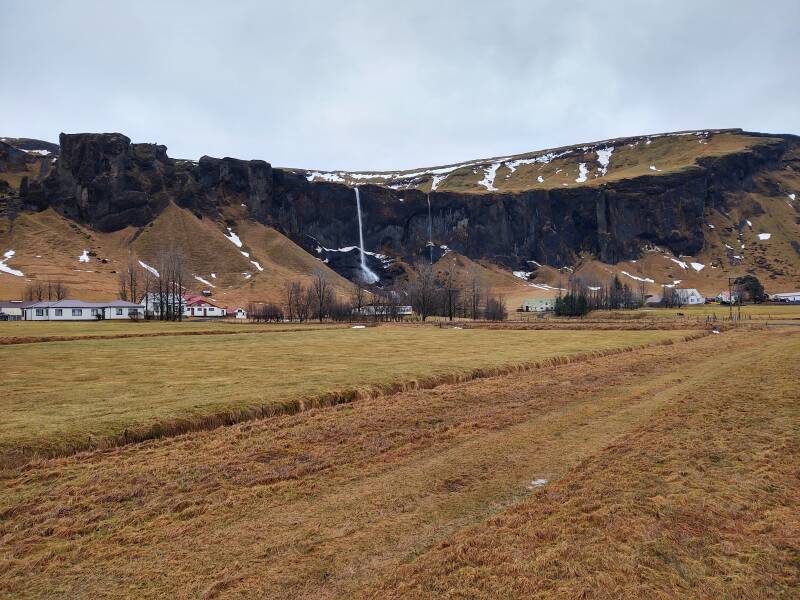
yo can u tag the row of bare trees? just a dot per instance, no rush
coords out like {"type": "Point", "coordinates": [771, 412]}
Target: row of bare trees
{"type": "Point", "coordinates": [162, 290]}
{"type": "Point", "coordinates": [39, 291]}
{"type": "Point", "coordinates": [427, 292]}
{"type": "Point", "coordinates": [581, 297]}
{"type": "Point", "coordinates": [447, 294]}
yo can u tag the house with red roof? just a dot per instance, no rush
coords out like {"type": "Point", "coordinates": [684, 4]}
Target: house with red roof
{"type": "Point", "coordinates": [199, 306]}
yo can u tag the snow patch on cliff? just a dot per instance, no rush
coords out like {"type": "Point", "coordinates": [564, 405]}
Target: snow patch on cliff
{"type": "Point", "coordinates": [604, 158]}
{"type": "Point", "coordinates": [489, 173]}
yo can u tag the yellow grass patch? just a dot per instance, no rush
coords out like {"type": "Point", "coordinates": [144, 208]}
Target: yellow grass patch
{"type": "Point", "coordinates": [65, 396]}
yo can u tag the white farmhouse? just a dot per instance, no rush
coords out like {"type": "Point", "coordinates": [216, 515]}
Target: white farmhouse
{"type": "Point", "coordinates": [154, 303]}
{"type": "Point", "coordinates": [203, 307]}
{"type": "Point", "coordinates": [690, 296]}
{"type": "Point", "coordinates": [77, 310]}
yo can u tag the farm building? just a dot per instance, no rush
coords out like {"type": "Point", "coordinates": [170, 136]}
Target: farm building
{"type": "Point", "coordinates": [240, 313]}
{"type": "Point", "coordinates": [203, 307]}
{"type": "Point", "coordinates": [373, 310]}
{"type": "Point", "coordinates": [539, 305]}
{"type": "Point", "coordinates": [77, 310]}
{"type": "Point", "coordinates": [154, 303]}
{"type": "Point", "coordinates": [725, 297]}
{"type": "Point", "coordinates": [690, 296]}
{"type": "Point", "coordinates": [786, 297]}
{"type": "Point", "coordinates": [13, 310]}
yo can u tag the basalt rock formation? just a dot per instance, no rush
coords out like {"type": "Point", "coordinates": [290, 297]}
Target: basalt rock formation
{"type": "Point", "coordinates": [106, 182]}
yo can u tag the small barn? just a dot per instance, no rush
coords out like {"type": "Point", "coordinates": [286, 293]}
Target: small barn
{"type": "Point", "coordinates": [240, 313]}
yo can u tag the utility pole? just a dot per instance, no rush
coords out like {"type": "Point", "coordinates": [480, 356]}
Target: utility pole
{"type": "Point", "coordinates": [730, 298]}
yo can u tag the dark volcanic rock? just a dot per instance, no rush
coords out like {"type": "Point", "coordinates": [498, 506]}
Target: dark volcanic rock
{"type": "Point", "coordinates": [106, 181]}
{"type": "Point", "coordinates": [109, 183]}
{"type": "Point", "coordinates": [11, 158]}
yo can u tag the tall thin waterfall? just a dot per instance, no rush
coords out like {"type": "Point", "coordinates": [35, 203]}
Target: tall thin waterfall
{"type": "Point", "coordinates": [430, 229]}
{"type": "Point", "coordinates": [369, 274]}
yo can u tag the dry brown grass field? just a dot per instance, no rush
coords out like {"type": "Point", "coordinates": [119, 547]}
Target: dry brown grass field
{"type": "Point", "coordinates": [15, 332]}
{"type": "Point", "coordinates": [66, 396]}
{"type": "Point", "coordinates": [670, 471]}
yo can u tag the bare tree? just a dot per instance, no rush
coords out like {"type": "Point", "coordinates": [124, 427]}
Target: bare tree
{"type": "Point", "coordinates": [496, 308]}
{"type": "Point", "coordinates": [358, 297]}
{"type": "Point", "coordinates": [423, 291]}
{"type": "Point", "coordinates": [290, 294]}
{"type": "Point", "coordinates": [323, 294]}
{"type": "Point", "coordinates": [473, 296]}
{"type": "Point", "coordinates": [35, 291]}
{"type": "Point", "coordinates": [450, 289]}
{"type": "Point", "coordinates": [130, 280]}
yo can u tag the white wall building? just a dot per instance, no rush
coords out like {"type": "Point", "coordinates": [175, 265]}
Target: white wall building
{"type": "Point", "coordinates": [786, 297]}
{"type": "Point", "coordinates": [690, 296]}
{"type": "Point", "coordinates": [204, 308]}
{"type": "Point", "coordinates": [539, 305]}
{"type": "Point", "coordinates": [13, 310]}
{"type": "Point", "coordinates": [154, 302]}
{"type": "Point", "coordinates": [77, 310]}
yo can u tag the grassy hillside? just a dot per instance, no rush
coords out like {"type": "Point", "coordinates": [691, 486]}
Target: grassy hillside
{"type": "Point", "coordinates": [605, 161]}
{"type": "Point", "coordinates": [48, 246]}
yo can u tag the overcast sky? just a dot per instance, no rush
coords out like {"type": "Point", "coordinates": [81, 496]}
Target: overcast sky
{"type": "Point", "coordinates": [394, 84]}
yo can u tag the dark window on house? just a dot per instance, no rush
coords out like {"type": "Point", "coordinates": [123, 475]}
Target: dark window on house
{"type": "Point", "coordinates": [39, 312]}
{"type": "Point", "coordinates": [59, 312]}
{"type": "Point", "coordinates": [119, 311]}
{"type": "Point", "coordinates": [77, 312]}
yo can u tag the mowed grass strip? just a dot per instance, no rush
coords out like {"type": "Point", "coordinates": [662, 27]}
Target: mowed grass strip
{"type": "Point", "coordinates": [68, 396]}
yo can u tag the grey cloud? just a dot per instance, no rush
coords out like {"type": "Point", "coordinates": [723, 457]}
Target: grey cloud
{"type": "Point", "coordinates": [384, 85]}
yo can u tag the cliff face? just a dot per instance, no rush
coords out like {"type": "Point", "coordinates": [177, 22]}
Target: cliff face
{"type": "Point", "coordinates": [108, 183]}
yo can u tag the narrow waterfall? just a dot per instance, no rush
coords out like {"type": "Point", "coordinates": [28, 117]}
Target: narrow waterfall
{"type": "Point", "coordinates": [369, 275]}
{"type": "Point", "coordinates": [430, 229]}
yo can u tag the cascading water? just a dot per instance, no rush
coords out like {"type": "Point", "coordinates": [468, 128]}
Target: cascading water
{"type": "Point", "coordinates": [430, 229]}
{"type": "Point", "coordinates": [369, 274]}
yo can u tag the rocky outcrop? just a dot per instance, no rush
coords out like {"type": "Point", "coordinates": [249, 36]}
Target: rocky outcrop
{"type": "Point", "coordinates": [107, 182]}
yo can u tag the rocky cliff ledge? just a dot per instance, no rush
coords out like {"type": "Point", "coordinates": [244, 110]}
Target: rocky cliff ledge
{"type": "Point", "coordinates": [109, 183]}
